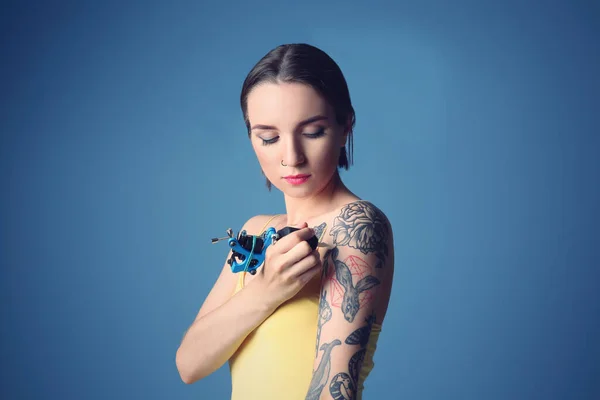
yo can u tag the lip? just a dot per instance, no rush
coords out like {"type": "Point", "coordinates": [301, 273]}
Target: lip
{"type": "Point", "coordinates": [296, 179]}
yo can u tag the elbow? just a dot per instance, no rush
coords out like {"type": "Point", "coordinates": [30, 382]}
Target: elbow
{"type": "Point", "coordinates": [183, 372]}
{"type": "Point", "coordinates": [186, 378]}
{"type": "Point", "coordinates": [187, 374]}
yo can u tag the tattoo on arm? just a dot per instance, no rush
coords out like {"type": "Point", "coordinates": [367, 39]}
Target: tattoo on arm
{"type": "Point", "coordinates": [325, 271]}
{"type": "Point", "coordinates": [350, 303]}
{"type": "Point", "coordinates": [361, 335]}
{"type": "Point", "coordinates": [355, 364]}
{"type": "Point", "coordinates": [344, 386]}
{"type": "Point", "coordinates": [362, 226]}
{"type": "Point", "coordinates": [321, 375]}
{"type": "Point", "coordinates": [324, 316]}
{"type": "Point", "coordinates": [324, 308]}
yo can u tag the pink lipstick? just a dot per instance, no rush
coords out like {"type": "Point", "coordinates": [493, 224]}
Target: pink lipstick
{"type": "Point", "coordinates": [296, 179]}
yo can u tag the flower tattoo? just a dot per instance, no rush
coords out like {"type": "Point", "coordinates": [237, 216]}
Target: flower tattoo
{"type": "Point", "coordinates": [362, 226]}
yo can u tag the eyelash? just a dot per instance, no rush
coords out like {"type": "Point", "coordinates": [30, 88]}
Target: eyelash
{"type": "Point", "coordinates": [314, 135]}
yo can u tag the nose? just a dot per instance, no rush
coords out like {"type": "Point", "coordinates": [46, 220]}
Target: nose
{"type": "Point", "coordinates": [294, 154]}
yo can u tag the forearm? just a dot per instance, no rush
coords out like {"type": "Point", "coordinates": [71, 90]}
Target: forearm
{"type": "Point", "coordinates": [212, 339]}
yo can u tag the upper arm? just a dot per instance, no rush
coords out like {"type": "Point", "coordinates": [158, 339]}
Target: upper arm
{"type": "Point", "coordinates": [355, 291]}
{"type": "Point", "coordinates": [225, 284]}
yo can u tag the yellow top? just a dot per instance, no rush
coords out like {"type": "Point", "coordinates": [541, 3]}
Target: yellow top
{"type": "Point", "coordinates": [276, 360]}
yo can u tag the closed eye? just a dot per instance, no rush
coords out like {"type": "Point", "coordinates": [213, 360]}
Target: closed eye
{"type": "Point", "coordinates": [310, 135]}
{"type": "Point", "coordinates": [316, 134]}
{"type": "Point", "coordinates": [267, 142]}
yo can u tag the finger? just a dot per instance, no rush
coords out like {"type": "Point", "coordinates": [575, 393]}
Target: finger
{"type": "Point", "coordinates": [286, 243]}
{"type": "Point", "coordinates": [297, 253]}
{"type": "Point", "coordinates": [310, 273]}
{"type": "Point", "coordinates": [312, 260]}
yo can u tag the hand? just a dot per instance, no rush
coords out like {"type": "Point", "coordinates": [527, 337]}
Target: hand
{"type": "Point", "coordinates": [290, 264]}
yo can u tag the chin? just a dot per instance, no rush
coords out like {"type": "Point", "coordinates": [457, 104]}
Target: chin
{"type": "Point", "coordinates": [295, 192]}
{"type": "Point", "coordinates": [301, 191]}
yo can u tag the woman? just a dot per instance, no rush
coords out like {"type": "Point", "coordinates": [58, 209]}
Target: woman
{"type": "Point", "coordinates": [305, 325]}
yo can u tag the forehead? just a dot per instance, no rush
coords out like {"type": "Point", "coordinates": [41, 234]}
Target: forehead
{"type": "Point", "coordinates": [285, 103]}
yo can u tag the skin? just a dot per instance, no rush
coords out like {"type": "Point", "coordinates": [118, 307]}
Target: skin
{"type": "Point", "coordinates": [276, 113]}
{"type": "Point", "coordinates": [288, 115]}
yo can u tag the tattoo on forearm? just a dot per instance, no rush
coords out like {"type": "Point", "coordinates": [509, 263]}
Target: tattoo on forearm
{"type": "Point", "coordinates": [324, 316]}
{"type": "Point", "coordinates": [350, 302]}
{"type": "Point", "coordinates": [342, 387]}
{"type": "Point", "coordinates": [362, 226]}
{"type": "Point", "coordinates": [321, 374]}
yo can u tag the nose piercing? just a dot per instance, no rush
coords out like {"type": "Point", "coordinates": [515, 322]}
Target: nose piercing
{"type": "Point", "coordinates": [282, 164]}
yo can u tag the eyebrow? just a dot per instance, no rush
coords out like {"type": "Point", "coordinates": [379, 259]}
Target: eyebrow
{"type": "Point", "coordinates": [300, 124]}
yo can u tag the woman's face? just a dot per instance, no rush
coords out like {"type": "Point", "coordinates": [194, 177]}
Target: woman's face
{"type": "Point", "coordinates": [295, 135]}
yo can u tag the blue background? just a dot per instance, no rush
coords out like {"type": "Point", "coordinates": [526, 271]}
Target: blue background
{"type": "Point", "coordinates": [123, 151]}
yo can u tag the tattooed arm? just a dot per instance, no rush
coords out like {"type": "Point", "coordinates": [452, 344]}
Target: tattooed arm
{"type": "Point", "coordinates": [355, 290]}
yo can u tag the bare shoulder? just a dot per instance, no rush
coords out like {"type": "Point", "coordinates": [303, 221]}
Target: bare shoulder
{"type": "Point", "coordinates": [363, 208]}
{"type": "Point", "coordinates": [258, 223]}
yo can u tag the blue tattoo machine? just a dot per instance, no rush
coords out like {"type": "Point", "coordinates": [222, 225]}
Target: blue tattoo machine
{"type": "Point", "coordinates": [248, 251]}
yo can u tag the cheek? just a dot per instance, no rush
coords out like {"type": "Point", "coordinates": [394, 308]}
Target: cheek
{"type": "Point", "coordinates": [265, 156]}
{"type": "Point", "coordinates": [327, 156]}
{"type": "Point", "coordinates": [267, 159]}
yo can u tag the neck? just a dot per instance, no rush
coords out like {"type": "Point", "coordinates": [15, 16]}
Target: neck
{"type": "Point", "coordinates": [300, 210]}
